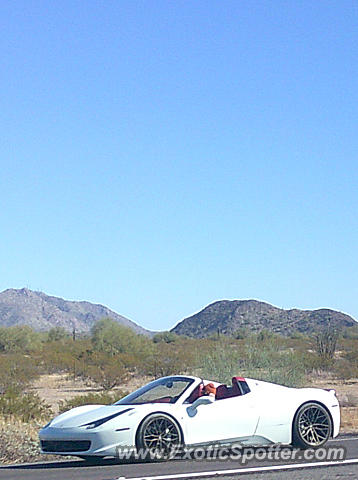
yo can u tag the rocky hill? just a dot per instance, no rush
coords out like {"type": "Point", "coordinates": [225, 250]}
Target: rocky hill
{"type": "Point", "coordinates": [228, 316]}
{"type": "Point", "coordinates": [42, 312]}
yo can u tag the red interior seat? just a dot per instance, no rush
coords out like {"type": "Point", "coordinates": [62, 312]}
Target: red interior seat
{"type": "Point", "coordinates": [235, 386]}
{"type": "Point", "coordinates": [224, 391]}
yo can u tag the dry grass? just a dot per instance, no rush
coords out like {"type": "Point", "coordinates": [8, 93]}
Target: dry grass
{"type": "Point", "coordinates": [349, 420]}
{"type": "Point", "coordinates": [19, 442]}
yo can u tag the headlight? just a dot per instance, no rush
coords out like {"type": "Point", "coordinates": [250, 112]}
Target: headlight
{"type": "Point", "coordinates": [101, 421]}
{"type": "Point", "coordinates": [94, 424]}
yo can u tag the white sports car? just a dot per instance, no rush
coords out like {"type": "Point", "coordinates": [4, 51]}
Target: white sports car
{"type": "Point", "coordinates": [173, 411]}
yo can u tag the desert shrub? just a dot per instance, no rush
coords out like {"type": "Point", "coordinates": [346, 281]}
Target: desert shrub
{"type": "Point", "coordinates": [312, 362]}
{"type": "Point", "coordinates": [133, 363]}
{"type": "Point", "coordinates": [215, 337]}
{"type": "Point", "coordinates": [262, 360]}
{"type": "Point", "coordinates": [168, 359]}
{"type": "Point", "coordinates": [110, 337]}
{"type": "Point", "coordinates": [55, 360]}
{"type": "Point", "coordinates": [260, 354]}
{"type": "Point", "coordinates": [57, 334]}
{"type": "Point", "coordinates": [64, 355]}
{"type": "Point", "coordinates": [167, 337]}
{"type": "Point", "coordinates": [220, 364]}
{"type": "Point", "coordinates": [265, 335]}
{"type": "Point", "coordinates": [20, 338]}
{"type": "Point", "coordinates": [296, 335]}
{"type": "Point", "coordinates": [16, 372]}
{"type": "Point", "coordinates": [326, 342]}
{"type": "Point", "coordinates": [352, 356]}
{"type": "Point", "coordinates": [345, 369]}
{"type": "Point", "coordinates": [347, 366]}
{"type": "Point", "coordinates": [103, 398]}
{"type": "Point", "coordinates": [25, 406]}
{"type": "Point", "coordinates": [97, 358]}
{"type": "Point", "coordinates": [265, 361]}
{"type": "Point", "coordinates": [106, 371]}
{"type": "Point", "coordinates": [242, 333]}
{"type": "Point", "coordinates": [351, 332]}
{"type": "Point", "coordinates": [285, 369]}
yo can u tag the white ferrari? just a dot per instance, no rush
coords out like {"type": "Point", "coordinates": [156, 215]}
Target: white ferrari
{"type": "Point", "coordinates": [174, 411]}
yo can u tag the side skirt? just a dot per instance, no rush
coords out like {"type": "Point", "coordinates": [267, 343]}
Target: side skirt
{"type": "Point", "coordinates": [252, 441]}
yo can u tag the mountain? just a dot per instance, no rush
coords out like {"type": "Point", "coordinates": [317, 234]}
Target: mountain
{"type": "Point", "coordinates": [42, 312]}
{"type": "Point", "coordinates": [227, 316]}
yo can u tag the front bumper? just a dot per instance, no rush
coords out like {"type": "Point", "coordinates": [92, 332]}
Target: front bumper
{"type": "Point", "coordinates": [80, 441]}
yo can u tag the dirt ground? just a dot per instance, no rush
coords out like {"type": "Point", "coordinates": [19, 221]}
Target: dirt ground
{"type": "Point", "coordinates": [56, 387]}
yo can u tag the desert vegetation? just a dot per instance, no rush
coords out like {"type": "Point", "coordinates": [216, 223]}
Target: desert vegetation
{"type": "Point", "coordinates": [113, 360]}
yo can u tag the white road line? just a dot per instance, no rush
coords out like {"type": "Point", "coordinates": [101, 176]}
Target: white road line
{"type": "Point", "coordinates": [345, 439]}
{"type": "Point", "coordinates": [245, 470]}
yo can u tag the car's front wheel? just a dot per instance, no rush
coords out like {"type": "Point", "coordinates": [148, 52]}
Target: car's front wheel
{"type": "Point", "coordinates": [159, 437]}
{"type": "Point", "coordinates": [312, 426]}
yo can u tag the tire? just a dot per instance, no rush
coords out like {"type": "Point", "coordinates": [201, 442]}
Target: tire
{"type": "Point", "coordinates": [159, 437]}
{"type": "Point", "coordinates": [312, 426]}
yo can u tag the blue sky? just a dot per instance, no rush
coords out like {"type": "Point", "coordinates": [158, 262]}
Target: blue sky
{"type": "Point", "coordinates": [157, 156]}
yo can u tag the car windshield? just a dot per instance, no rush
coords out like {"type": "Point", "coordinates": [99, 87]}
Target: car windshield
{"type": "Point", "coordinates": [163, 390]}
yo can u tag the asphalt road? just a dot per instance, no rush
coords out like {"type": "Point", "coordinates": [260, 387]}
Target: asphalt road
{"type": "Point", "coordinates": [269, 468]}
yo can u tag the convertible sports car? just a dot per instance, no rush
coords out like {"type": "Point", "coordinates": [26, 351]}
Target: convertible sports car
{"type": "Point", "coordinates": [173, 412]}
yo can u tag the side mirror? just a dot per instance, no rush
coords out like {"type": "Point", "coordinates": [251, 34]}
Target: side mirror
{"type": "Point", "coordinates": [202, 401]}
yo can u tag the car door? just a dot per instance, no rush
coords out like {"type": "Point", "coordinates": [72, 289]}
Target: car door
{"type": "Point", "coordinates": [226, 419]}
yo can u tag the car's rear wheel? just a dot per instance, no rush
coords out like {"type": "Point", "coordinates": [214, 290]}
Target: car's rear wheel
{"type": "Point", "coordinates": [159, 437]}
{"type": "Point", "coordinates": [312, 426]}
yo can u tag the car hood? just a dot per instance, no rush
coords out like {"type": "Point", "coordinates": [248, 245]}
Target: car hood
{"type": "Point", "coordinates": [89, 413]}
